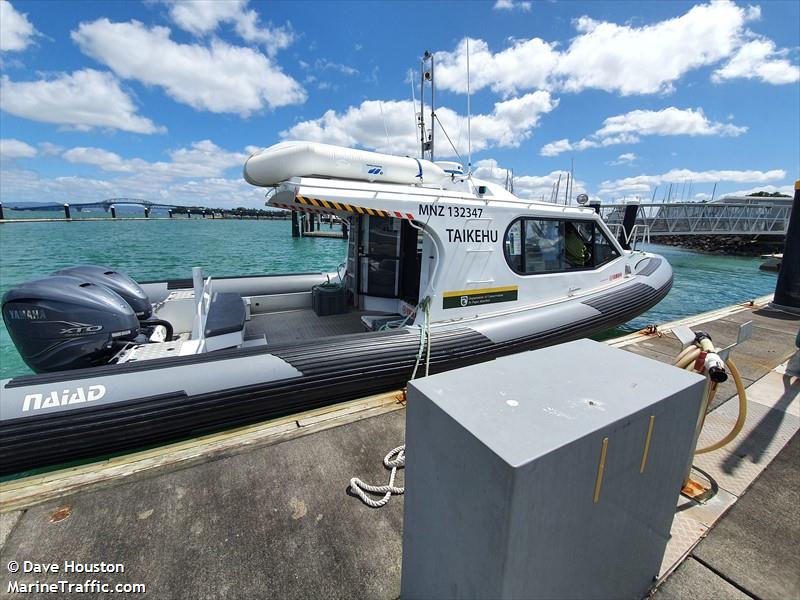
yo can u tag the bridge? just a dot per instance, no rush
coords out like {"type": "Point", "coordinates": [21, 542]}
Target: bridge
{"type": "Point", "coordinates": [104, 204]}
{"type": "Point", "coordinates": [739, 216]}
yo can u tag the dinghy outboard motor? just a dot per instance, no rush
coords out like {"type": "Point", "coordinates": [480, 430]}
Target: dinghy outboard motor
{"type": "Point", "coordinates": [65, 322]}
{"type": "Point", "coordinates": [117, 281]}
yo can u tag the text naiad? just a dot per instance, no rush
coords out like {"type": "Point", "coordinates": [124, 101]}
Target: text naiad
{"type": "Point", "coordinates": [53, 399]}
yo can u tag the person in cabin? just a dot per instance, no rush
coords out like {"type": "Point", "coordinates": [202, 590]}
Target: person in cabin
{"type": "Point", "coordinates": [576, 251]}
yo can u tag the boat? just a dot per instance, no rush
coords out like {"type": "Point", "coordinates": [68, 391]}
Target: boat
{"type": "Point", "coordinates": [442, 270]}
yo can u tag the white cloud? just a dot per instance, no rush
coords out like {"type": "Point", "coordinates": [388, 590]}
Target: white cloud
{"type": "Point", "coordinates": [16, 32]}
{"type": "Point", "coordinates": [11, 148]}
{"type": "Point", "coordinates": [629, 127]}
{"type": "Point", "coordinates": [533, 187]}
{"type": "Point", "coordinates": [623, 59]}
{"type": "Point", "coordinates": [786, 190]}
{"type": "Point", "coordinates": [624, 159]}
{"type": "Point", "coordinates": [195, 175]}
{"type": "Point", "coordinates": [759, 60]}
{"type": "Point", "coordinates": [50, 149]}
{"type": "Point", "coordinates": [642, 183]}
{"type": "Point", "coordinates": [202, 159]}
{"type": "Point", "coordinates": [668, 121]}
{"type": "Point", "coordinates": [202, 17]}
{"type": "Point", "coordinates": [108, 161]}
{"type": "Point", "coordinates": [511, 122]}
{"type": "Point", "coordinates": [523, 5]}
{"type": "Point", "coordinates": [322, 64]}
{"type": "Point", "coordinates": [527, 64]}
{"type": "Point", "coordinates": [219, 78]}
{"type": "Point", "coordinates": [82, 100]}
{"type": "Point", "coordinates": [648, 59]}
{"type": "Point", "coordinates": [17, 185]}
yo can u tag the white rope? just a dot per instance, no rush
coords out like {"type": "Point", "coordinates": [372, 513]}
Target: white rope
{"type": "Point", "coordinates": [396, 459]}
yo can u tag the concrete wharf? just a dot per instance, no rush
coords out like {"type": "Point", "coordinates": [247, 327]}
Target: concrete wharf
{"type": "Point", "coordinates": [262, 511]}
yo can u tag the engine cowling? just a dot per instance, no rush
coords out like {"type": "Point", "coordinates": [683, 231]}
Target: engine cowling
{"type": "Point", "coordinates": [117, 281]}
{"type": "Point", "coordinates": [66, 322]}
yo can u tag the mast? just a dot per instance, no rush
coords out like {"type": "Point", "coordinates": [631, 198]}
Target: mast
{"type": "Point", "coordinates": [433, 107]}
{"type": "Point", "coordinates": [422, 107]}
{"type": "Point", "coordinates": [426, 139]}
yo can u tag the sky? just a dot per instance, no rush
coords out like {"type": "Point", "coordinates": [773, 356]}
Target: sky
{"type": "Point", "coordinates": [164, 100]}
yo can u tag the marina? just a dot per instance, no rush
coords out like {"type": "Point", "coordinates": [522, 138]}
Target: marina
{"type": "Point", "coordinates": [295, 310]}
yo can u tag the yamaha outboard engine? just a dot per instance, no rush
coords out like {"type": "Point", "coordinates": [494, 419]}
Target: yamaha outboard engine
{"type": "Point", "coordinates": [114, 280]}
{"type": "Point", "coordinates": [64, 322]}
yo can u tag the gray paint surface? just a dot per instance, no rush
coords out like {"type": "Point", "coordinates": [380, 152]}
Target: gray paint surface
{"type": "Point", "coordinates": [492, 448]}
{"type": "Point", "coordinates": [193, 379]}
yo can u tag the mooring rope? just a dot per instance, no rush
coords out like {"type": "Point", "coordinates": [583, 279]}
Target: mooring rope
{"type": "Point", "coordinates": [395, 459]}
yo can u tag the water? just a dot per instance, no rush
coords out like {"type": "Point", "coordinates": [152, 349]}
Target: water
{"type": "Point", "coordinates": [169, 248]}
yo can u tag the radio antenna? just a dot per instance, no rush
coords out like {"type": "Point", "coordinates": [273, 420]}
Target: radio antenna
{"type": "Point", "coordinates": [413, 96]}
{"type": "Point", "coordinates": [385, 128]}
{"type": "Point", "coordinates": [469, 119]}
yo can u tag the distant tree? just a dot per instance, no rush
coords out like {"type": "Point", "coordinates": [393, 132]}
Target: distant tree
{"type": "Point", "coordinates": [763, 194]}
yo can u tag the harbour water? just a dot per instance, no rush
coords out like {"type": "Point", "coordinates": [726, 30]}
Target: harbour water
{"type": "Point", "coordinates": [162, 249]}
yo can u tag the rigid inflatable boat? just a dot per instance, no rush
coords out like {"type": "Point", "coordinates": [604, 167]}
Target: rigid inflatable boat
{"type": "Point", "coordinates": [442, 270]}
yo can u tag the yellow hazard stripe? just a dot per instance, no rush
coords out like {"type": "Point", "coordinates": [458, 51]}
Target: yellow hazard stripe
{"type": "Point", "coordinates": [361, 210]}
{"type": "Point", "coordinates": [508, 288]}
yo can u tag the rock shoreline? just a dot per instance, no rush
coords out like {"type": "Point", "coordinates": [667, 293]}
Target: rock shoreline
{"type": "Point", "coordinates": [732, 245]}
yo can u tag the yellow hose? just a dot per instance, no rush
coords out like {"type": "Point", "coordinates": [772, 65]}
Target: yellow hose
{"type": "Point", "coordinates": [686, 360]}
{"type": "Point", "coordinates": [737, 428]}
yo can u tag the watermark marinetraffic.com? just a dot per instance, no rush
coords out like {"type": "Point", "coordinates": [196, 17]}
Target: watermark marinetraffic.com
{"type": "Point", "coordinates": [64, 586]}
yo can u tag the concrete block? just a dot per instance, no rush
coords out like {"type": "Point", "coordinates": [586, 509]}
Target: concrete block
{"type": "Point", "coordinates": [532, 475]}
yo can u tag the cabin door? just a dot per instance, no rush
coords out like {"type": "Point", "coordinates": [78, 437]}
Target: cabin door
{"type": "Point", "coordinates": [389, 258]}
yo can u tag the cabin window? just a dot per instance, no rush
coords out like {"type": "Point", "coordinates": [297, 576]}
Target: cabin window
{"type": "Point", "coordinates": [534, 246]}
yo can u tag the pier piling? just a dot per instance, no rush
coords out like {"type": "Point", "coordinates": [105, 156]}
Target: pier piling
{"type": "Point", "coordinates": [113, 211]}
{"type": "Point", "coordinates": [787, 288]}
{"type": "Point", "coordinates": [1, 212]}
{"type": "Point", "coordinates": [66, 212]}
{"type": "Point", "coordinates": [146, 212]}
{"type": "Point", "coordinates": [295, 225]}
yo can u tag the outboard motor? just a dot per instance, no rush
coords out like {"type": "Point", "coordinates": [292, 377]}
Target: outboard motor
{"type": "Point", "coordinates": [117, 281]}
{"type": "Point", "coordinates": [64, 322]}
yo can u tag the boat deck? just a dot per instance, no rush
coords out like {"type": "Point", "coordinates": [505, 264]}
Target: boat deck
{"type": "Point", "coordinates": [304, 324]}
{"type": "Point", "coordinates": [263, 511]}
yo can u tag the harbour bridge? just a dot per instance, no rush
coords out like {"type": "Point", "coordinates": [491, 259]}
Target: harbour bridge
{"type": "Point", "coordinates": [106, 205]}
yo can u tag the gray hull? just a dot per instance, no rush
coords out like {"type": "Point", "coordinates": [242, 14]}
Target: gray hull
{"type": "Point", "coordinates": [101, 410]}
